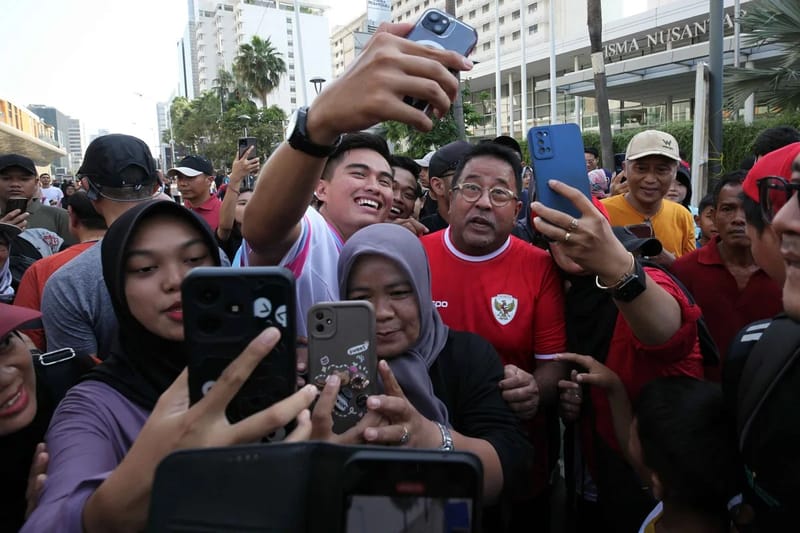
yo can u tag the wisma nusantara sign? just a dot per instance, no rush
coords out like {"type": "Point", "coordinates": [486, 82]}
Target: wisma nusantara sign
{"type": "Point", "coordinates": [685, 33]}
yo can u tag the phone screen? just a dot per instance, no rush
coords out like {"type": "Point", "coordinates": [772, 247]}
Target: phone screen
{"type": "Point", "coordinates": [245, 143]}
{"type": "Point", "coordinates": [16, 203]}
{"type": "Point", "coordinates": [368, 513]}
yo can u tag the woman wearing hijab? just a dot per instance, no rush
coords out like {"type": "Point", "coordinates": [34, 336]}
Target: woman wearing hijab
{"type": "Point", "coordinates": [113, 428]}
{"type": "Point", "coordinates": [440, 386]}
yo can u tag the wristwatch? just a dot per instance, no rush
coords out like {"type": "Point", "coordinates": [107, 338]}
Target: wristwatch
{"type": "Point", "coordinates": [447, 438]}
{"type": "Point", "coordinates": [297, 135]}
{"type": "Point", "coordinates": [629, 286]}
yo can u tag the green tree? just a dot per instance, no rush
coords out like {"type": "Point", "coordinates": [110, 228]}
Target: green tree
{"type": "Point", "coordinates": [769, 22]}
{"type": "Point", "coordinates": [259, 66]}
{"type": "Point", "coordinates": [445, 130]}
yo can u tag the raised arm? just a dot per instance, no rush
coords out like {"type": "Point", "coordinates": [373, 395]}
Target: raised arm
{"type": "Point", "coordinates": [371, 91]}
{"type": "Point", "coordinates": [242, 167]}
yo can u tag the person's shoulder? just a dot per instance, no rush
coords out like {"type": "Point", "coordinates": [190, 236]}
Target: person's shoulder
{"type": "Point", "coordinates": [467, 345]}
{"type": "Point", "coordinates": [90, 257]}
{"type": "Point", "coordinates": [686, 261]}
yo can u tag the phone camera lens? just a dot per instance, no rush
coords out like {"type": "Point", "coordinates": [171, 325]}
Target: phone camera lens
{"type": "Point", "coordinates": [319, 315]}
{"type": "Point", "coordinates": [438, 28]}
{"type": "Point", "coordinates": [209, 295]}
{"type": "Point", "coordinates": [434, 17]}
{"type": "Point", "coordinates": [320, 328]}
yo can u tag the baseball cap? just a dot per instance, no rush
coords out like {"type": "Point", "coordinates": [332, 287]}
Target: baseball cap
{"type": "Point", "coordinates": [448, 157]}
{"type": "Point", "coordinates": [9, 231]}
{"type": "Point", "coordinates": [191, 166]}
{"type": "Point", "coordinates": [16, 160]}
{"type": "Point", "coordinates": [425, 161]}
{"type": "Point", "coordinates": [776, 163]}
{"type": "Point", "coordinates": [647, 247]}
{"type": "Point", "coordinates": [652, 142]}
{"type": "Point", "coordinates": [108, 156]}
{"type": "Point", "coordinates": [17, 317]}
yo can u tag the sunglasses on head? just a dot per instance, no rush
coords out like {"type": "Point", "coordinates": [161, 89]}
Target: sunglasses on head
{"type": "Point", "coordinates": [773, 193]}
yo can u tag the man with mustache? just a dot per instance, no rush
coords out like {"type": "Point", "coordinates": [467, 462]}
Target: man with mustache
{"type": "Point", "coordinates": [490, 283]}
{"type": "Point", "coordinates": [723, 276]}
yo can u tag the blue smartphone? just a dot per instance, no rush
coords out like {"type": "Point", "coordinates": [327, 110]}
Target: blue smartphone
{"type": "Point", "coordinates": [557, 154]}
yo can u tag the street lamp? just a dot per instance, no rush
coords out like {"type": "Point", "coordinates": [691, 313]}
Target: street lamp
{"type": "Point", "coordinates": [245, 119]}
{"type": "Point", "coordinates": [317, 81]}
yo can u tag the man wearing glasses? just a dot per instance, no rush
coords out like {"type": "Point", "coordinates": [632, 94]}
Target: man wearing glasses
{"type": "Point", "coordinates": [651, 164]}
{"type": "Point", "coordinates": [195, 175]}
{"type": "Point", "coordinates": [487, 282]}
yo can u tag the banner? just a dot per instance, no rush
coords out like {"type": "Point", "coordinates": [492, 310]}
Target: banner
{"type": "Point", "coordinates": [378, 12]}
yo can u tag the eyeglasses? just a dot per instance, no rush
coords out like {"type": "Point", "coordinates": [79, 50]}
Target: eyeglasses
{"type": "Point", "coordinates": [498, 196]}
{"type": "Point", "coordinates": [773, 193]}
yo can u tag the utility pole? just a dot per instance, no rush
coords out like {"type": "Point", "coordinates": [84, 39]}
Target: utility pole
{"type": "Point", "coordinates": [715, 90]}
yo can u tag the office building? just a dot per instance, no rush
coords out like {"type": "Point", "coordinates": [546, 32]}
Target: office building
{"type": "Point", "coordinates": [347, 42]}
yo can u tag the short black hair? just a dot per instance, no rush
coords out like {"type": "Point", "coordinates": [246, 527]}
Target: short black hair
{"type": "Point", "coordinates": [771, 139]}
{"type": "Point", "coordinates": [509, 142]}
{"type": "Point", "coordinates": [731, 178]}
{"type": "Point", "coordinates": [354, 141]}
{"type": "Point", "coordinates": [410, 165]}
{"type": "Point", "coordinates": [752, 213]}
{"type": "Point", "coordinates": [84, 210]}
{"type": "Point", "coordinates": [707, 201]}
{"type": "Point", "coordinates": [498, 151]}
{"type": "Point", "coordinates": [689, 440]}
{"type": "Point", "coordinates": [591, 150]}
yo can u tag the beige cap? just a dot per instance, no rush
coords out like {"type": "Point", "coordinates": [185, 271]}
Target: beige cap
{"type": "Point", "coordinates": [652, 142]}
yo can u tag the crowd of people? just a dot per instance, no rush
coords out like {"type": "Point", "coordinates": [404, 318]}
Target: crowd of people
{"type": "Point", "coordinates": [644, 351]}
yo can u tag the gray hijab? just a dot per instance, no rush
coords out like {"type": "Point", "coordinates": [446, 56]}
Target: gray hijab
{"type": "Point", "coordinates": [411, 368]}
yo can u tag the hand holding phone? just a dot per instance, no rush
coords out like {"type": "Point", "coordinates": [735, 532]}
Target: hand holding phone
{"type": "Point", "coordinates": [437, 29]}
{"type": "Point", "coordinates": [16, 202]}
{"type": "Point", "coordinates": [244, 144]}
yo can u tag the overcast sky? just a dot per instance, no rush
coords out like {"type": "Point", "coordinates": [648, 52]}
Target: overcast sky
{"type": "Point", "coordinates": [105, 62]}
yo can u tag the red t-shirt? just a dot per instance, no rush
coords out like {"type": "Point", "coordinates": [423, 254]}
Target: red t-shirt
{"type": "Point", "coordinates": [208, 211]}
{"type": "Point", "coordinates": [31, 286]}
{"type": "Point", "coordinates": [726, 309]}
{"type": "Point", "coordinates": [513, 298]}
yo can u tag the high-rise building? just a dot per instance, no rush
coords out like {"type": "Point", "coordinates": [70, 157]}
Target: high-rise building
{"type": "Point", "coordinates": [216, 29]}
{"type": "Point", "coordinates": [75, 143]}
{"type": "Point", "coordinates": [164, 147]}
{"type": "Point", "coordinates": [347, 42]}
{"type": "Point", "coordinates": [61, 128]}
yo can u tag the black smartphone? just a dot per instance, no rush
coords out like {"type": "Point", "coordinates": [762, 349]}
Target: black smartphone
{"type": "Point", "coordinates": [412, 490]}
{"type": "Point", "coordinates": [437, 29]}
{"type": "Point", "coordinates": [341, 340]}
{"type": "Point", "coordinates": [224, 308]}
{"type": "Point", "coordinates": [619, 162]}
{"type": "Point", "coordinates": [245, 143]}
{"type": "Point", "coordinates": [557, 154]}
{"type": "Point", "coordinates": [16, 202]}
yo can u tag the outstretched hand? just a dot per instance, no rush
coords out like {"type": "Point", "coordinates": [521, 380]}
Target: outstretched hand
{"type": "Point", "coordinates": [520, 391]}
{"type": "Point", "coordinates": [322, 417]}
{"type": "Point", "coordinates": [596, 374]}
{"type": "Point", "coordinates": [570, 398]}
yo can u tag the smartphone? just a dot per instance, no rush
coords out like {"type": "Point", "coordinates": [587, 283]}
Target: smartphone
{"type": "Point", "coordinates": [437, 29]}
{"type": "Point", "coordinates": [557, 154]}
{"type": "Point", "coordinates": [224, 308]}
{"type": "Point", "coordinates": [341, 340]}
{"type": "Point", "coordinates": [619, 162]}
{"type": "Point", "coordinates": [245, 143]}
{"type": "Point", "coordinates": [412, 490]}
{"type": "Point", "coordinates": [16, 202]}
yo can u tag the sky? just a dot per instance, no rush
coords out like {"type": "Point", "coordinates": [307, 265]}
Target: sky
{"type": "Point", "coordinates": [105, 62]}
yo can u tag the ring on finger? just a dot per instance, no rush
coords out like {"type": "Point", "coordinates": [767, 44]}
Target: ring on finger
{"type": "Point", "coordinates": [567, 235]}
{"type": "Point", "coordinates": [573, 225]}
{"type": "Point", "coordinates": [405, 437]}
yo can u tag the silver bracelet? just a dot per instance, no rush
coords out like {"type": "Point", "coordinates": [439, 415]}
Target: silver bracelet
{"type": "Point", "coordinates": [447, 438]}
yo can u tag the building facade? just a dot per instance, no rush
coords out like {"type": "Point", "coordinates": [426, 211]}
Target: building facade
{"type": "Point", "coordinates": [347, 42]}
{"type": "Point", "coordinates": [60, 123]}
{"type": "Point", "coordinates": [24, 132]}
{"type": "Point", "coordinates": [217, 29]}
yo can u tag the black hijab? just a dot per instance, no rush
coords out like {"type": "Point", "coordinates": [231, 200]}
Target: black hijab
{"type": "Point", "coordinates": [141, 365]}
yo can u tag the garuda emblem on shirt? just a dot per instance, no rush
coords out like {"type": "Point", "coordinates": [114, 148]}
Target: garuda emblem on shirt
{"type": "Point", "coordinates": [504, 307]}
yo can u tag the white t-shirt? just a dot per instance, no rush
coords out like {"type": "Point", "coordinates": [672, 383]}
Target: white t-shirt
{"type": "Point", "coordinates": [51, 193]}
{"type": "Point", "coordinates": [312, 259]}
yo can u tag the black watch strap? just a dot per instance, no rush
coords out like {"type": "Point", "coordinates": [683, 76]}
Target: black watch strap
{"type": "Point", "coordinates": [299, 139]}
{"type": "Point", "coordinates": [632, 286]}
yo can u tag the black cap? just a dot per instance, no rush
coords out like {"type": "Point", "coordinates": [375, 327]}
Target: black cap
{"type": "Point", "coordinates": [16, 160]}
{"type": "Point", "coordinates": [648, 247]}
{"type": "Point", "coordinates": [448, 157]}
{"type": "Point", "coordinates": [107, 156]}
{"type": "Point", "coordinates": [508, 142]}
{"type": "Point", "coordinates": [192, 165]}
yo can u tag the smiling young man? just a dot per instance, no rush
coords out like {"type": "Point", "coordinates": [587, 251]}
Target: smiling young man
{"type": "Point", "coordinates": [487, 282]}
{"type": "Point", "coordinates": [723, 277]}
{"type": "Point", "coordinates": [652, 160]}
{"type": "Point", "coordinates": [406, 187]}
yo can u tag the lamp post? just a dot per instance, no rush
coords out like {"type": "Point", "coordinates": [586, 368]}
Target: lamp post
{"type": "Point", "coordinates": [244, 119]}
{"type": "Point", "coordinates": [317, 81]}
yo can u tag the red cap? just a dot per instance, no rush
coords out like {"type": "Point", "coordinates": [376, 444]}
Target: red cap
{"type": "Point", "coordinates": [14, 317]}
{"type": "Point", "coordinates": [776, 163]}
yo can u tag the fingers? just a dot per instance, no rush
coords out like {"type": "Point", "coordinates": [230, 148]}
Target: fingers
{"type": "Point", "coordinates": [414, 226]}
{"type": "Point", "coordinates": [301, 352]}
{"type": "Point", "coordinates": [386, 435]}
{"type": "Point", "coordinates": [520, 394]}
{"type": "Point", "coordinates": [321, 416]}
{"type": "Point", "coordinates": [274, 417]}
{"type": "Point", "coordinates": [392, 407]}
{"type": "Point", "coordinates": [36, 477]}
{"type": "Point", "coordinates": [303, 430]}
{"type": "Point", "coordinates": [514, 378]}
{"type": "Point", "coordinates": [390, 384]}
{"type": "Point", "coordinates": [583, 360]}
{"type": "Point", "coordinates": [237, 372]}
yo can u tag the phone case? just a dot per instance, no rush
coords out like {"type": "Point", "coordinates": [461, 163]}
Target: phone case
{"type": "Point", "coordinates": [341, 340]}
{"type": "Point", "coordinates": [557, 154]}
{"type": "Point", "coordinates": [245, 143]}
{"type": "Point", "coordinates": [223, 310]}
{"type": "Point", "coordinates": [437, 29]}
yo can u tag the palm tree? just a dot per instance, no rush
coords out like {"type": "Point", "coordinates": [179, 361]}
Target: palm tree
{"type": "Point", "coordinates": [259, 66]}
{"type": "Point", "coordinates": [594, 21]}
{"type": "Point", "coordinates": [769, 22]}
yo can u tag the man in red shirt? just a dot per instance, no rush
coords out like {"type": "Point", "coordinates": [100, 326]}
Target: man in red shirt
{"type": "Point", "coordinates": [722, 276]}
{"type": "Point", "coordinates": [195, 175]}
{"type": "Point", "coordinates": [487, 282]}
{"type": "Point", "coordinates": [87, 226]}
